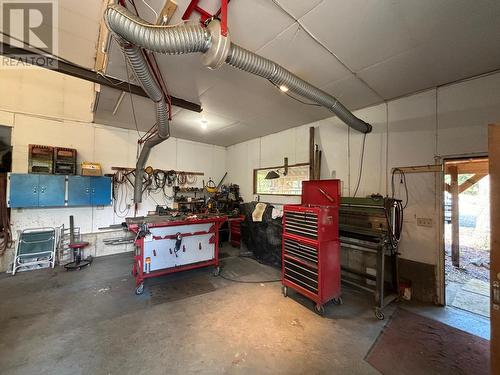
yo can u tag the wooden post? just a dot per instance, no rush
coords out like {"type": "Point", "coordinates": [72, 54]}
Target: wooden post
{"type": "Point", "coordinates": [316, 159]}
{"type": "Point", "coordinates": [318, 171]}
{"type": "Point", "coordinates": [167, 12]}
{"type": "Point", "coordinates": [311, 153]}
{"type": "Point", "coordinates": [494, 171]}
{"type": "Point", "coordinates": [455, 231]}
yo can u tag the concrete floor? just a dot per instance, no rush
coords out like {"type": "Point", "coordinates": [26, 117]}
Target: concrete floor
{"type": "Point", "coordinates": [91, 322]}
{"type": "Point", "coordinates": [472, 296]}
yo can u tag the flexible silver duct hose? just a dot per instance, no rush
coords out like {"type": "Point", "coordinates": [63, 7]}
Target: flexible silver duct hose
{"type": "Point", "coordinates": [190, 38]}
{"type": "Point", "coordinates": [146, 79]}
{"type": "Point", "coordinates": [170, 40]}
{"type": "Point", "coordinates": [252, 63]}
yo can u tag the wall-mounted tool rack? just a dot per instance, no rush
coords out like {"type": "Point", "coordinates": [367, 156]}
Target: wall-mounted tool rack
{"type": "Point", "coordinates": [369, 235]}
{"type": "Point", "coordinates": [129, 173]}
{"type": "Point", "coordinates": [310, 249]}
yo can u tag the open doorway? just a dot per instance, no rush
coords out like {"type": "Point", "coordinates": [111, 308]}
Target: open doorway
{"type": "Point", "coordinates": [467, 234]}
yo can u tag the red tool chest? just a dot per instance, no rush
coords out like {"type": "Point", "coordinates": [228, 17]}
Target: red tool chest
{"type": "Point", "coordinates": [311, 249]}
{"type": "Point", "coordinates": [235, 230]}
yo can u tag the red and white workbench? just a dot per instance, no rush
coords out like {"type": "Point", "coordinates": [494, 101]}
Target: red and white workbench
{"type": "Point", "coordinates": [166, 244]}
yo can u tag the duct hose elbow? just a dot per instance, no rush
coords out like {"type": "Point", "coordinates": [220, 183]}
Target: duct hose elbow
{"type": "Point", "coordinates": [349, 119]}
{"type": "Point", "coordinates": [188, 38]}
{"type": "Point", "coordinates": [141, 163]}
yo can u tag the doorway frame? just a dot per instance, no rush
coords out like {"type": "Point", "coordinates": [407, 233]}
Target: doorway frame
{"type": "Point", "coordinates": [440, 268]}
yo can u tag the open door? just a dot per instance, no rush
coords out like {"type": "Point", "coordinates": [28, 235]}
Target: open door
{"type": "Point", "coordinates": [494, 154]}
{"type": "Point", "coordinates": [467, 234]}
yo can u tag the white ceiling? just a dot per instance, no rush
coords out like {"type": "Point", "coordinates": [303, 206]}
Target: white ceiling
{"type": "Point", "coordinates": [361, 51]}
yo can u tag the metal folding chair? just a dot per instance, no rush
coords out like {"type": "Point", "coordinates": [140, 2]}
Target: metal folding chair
{"type": "Point", "coordinates": [35, 249]}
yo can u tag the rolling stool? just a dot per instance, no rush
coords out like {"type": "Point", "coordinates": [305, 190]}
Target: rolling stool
{"type": "Point", "coordinates": [77, 247]}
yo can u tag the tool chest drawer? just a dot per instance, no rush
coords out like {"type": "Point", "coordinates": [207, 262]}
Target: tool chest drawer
{"type": "Point", "coordinates": [315, 223]}
{"type": "Point", "coordinates": [300, 250]}
{"type": "Point", "coordinates": [301, 224]}
{"type": "Point", "coordinates": [305, 276]}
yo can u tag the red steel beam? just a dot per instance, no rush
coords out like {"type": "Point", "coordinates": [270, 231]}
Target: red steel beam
{"type": "Point", "coordinates": [204, 15]}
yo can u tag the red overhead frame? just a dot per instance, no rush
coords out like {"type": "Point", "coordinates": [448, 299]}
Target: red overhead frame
{"type": "Point", "coordinates": [204, 15]}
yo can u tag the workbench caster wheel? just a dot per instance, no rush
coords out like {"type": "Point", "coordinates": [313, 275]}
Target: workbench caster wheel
{"type": "Point", "coordinates": [216, 271]}
{"type": "Point", "coordinates": [379, 314]}
{"type": "Point", "coordinates": [338, 301]}
{"type": "Point", "coordinates": [319, 309]}
{"type": "Point", "coordinates": [140, 289]}
{"type": "Point", "coordinates": [284, 289]}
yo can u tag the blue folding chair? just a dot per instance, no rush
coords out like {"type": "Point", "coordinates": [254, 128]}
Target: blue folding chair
{"type": "Point", "coordinates": [35, 249]}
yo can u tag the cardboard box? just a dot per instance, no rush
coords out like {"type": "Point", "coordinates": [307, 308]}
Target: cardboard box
{"type": "Point", "coordinates": [91, 169]}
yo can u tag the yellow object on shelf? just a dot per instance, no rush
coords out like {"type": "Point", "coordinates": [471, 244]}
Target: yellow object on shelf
{"type": "Point", "coordinates": [91, 169]}
{"type": "Point", "coordinates": [210, 187]}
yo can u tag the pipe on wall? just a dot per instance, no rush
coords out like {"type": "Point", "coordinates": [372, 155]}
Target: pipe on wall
{"type": "Point", "coordinates": [132, 32]}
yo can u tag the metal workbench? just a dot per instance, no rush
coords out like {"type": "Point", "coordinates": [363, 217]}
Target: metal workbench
{"type": "Point", "coordinates": [168, 244]}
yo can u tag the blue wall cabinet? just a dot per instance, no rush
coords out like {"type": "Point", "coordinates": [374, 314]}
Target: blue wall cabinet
{"type": "Point", "coordinates": [100, 189]}
{"type": "Point", "coordinates": [89, 191]}
{"type": "Point", "coordinates": [23, 190]}
{"type": "Point", "coordinates": [51, 189]}
{"type": "Point", "coordinates": [32, 190]}
{"type": "Point", "coordinates": [78, 191]}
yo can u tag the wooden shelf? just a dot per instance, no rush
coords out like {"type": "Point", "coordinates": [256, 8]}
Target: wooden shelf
{"type": "Point", "coordinates": [126, 169]}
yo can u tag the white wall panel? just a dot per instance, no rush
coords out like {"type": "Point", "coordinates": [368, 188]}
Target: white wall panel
{"type": "Point", "coordinates": [34, 130]}
{"type": "Point", "coordinates": [275, 147]}
{"type": "Point", "coordinates": [419, 243]}
{"type": "Point", "coordinates": [6, 118]}
{"type": "Point", "coordinates": [373, 178]}
{"type": "Point", "coordinates": [46, 93]}
{"type": "Point", "coordinates": [332, 136]}
{"type": "Point", "coordinates": [465, 110]}
{"type": "Point", "coordinates": [412, 130]}
{"type": "Point", "coordinates": [112, 147]}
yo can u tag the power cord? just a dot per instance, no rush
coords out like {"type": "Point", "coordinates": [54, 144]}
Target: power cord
{"type": "Point", "coordinates": [361, 165]}
{"type": "Point", "coordinates": [249, 281]}
{"type": "Point", "coordinates": [402, 181]}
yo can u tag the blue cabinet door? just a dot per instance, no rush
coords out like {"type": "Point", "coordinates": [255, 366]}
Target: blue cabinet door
{"type": "Point", "coordinates": [79, 191]}
{"type": "Point", "coordinates": [101, 191]}
{"type": "Point", "coordinates": [23, 190]}
{"type": "Point", "coordinates": [51, 189]}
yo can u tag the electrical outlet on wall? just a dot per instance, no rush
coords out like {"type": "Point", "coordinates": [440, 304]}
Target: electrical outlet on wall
{"type": "Point", "coordinates": [424, 222]}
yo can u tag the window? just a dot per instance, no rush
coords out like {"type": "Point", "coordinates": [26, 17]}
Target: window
{"type": "Point", "coordinates": [291, 184]}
